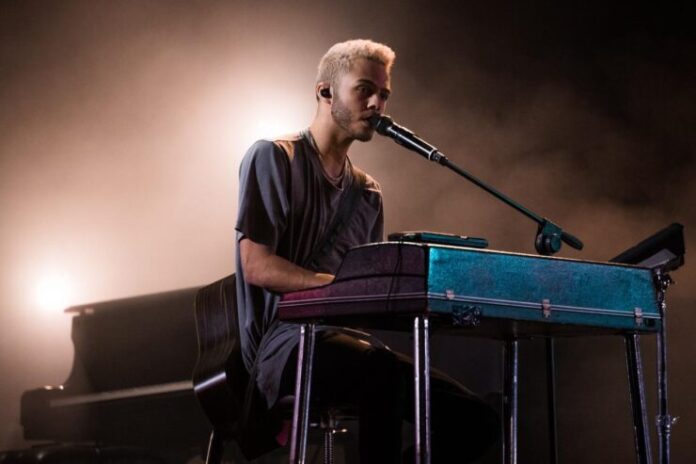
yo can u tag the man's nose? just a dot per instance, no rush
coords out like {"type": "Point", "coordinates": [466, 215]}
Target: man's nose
{"type": "Point", "coordinates": [376, 103]}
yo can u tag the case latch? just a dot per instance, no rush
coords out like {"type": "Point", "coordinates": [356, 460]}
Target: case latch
{"type": "Point", "coordinates": [546, 308]}
{"type": "Point", "coordinates": [638, 315]}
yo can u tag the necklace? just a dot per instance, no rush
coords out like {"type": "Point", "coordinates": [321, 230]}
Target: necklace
{"type": "Point", "coordinates": [335, 180]}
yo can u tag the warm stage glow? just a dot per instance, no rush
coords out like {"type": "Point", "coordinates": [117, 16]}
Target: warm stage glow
{"type": "Point", "coordinates": [274, 127]}
{"type": "Point", "coordinates": [53, 292]}
{"type": "Point", "coordinates": [272, 115]}
{"type": "Point", "coordinates": [273, 119]}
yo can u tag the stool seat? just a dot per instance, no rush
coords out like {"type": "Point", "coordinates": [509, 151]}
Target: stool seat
{"type": "Point", "coordinates": [284, 407]}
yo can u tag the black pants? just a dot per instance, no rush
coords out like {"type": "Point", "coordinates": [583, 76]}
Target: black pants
{"type": "Point", "coordinates": [378, 383]}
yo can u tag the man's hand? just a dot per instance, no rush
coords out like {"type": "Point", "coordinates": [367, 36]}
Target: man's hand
{"type": "Point", "coordinates": [264, 268]}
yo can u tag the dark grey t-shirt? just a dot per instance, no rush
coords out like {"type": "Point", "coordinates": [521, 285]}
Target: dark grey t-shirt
{"type": "Point", "coordinates": [287, 202]}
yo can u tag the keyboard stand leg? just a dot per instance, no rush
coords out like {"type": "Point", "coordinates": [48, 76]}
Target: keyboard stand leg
{"type": "Point", "coordinates": [665, 420]}
{"type": "Point", "coordinates": [421, 376]}
{"type": "Point", "coordinates": [303, 385]}
{"type": "Point", "coordinates": [637, 389]}
{"type": "Point", "coordinates": [551, 398]}
{"type": "Point", "coordinates": [510, 400]}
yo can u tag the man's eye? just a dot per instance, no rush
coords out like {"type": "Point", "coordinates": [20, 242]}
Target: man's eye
{"type": "Point", "coordinates": [384, 95]}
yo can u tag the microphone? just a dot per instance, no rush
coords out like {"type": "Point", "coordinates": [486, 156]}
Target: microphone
{"type": "Point", "coordinates": [549, 235]}
{"type": "Point", "coordinates": [384, 125]}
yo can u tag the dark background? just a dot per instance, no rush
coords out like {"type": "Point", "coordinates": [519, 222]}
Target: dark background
{"type": "Point", "coordinates": [122, 125]}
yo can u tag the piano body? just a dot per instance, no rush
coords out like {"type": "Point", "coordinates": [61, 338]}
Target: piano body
{"type": "Point", "coordinates": [508, 296]}
{"type": "Point", "coordinates": [502, 295]}
{"type": "Point", "coordinates": [130, 382]}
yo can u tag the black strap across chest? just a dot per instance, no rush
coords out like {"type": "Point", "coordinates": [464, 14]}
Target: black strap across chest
{"type": "Point", "coordinates": [346, 206]}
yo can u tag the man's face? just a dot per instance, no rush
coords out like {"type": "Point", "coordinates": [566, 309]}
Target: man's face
{"type": "Point", "coordinates": [358, 94]}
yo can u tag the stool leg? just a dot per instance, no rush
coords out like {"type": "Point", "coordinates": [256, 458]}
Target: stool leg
{"type": "Point", "coordinates": [303, 385]}
{"type": "Point", "coordinates": [329, 431]}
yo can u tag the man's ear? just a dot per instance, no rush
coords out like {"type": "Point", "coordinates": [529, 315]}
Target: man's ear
{"type": "Point", "coordinates": [323, 90]}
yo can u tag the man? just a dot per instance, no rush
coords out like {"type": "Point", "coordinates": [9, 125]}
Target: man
{"type": "Point", "coordinates": [290, 192]}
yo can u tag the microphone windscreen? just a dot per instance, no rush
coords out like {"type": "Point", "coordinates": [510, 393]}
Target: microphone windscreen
{"type": "Point", "coordinates": [380, 123]}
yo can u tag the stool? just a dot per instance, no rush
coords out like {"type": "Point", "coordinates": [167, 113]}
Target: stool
{"type": "Point", "coordinates": [327, 419]}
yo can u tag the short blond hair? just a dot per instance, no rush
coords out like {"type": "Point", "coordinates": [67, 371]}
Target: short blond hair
{"type": "Point", "coordinates": [341, 56]}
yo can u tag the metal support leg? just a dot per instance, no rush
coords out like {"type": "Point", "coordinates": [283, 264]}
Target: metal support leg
{"type": "Point", "coordinates": [328, 446]}
{"type": "Point", "coordinates": [637, 388]}
{"type": "Point", "coordinates": [510, 400]}
{"type": "Point", "coordinates": [215, 448]}
{"type": "Point", "coordinates": [664, 420]}
{"type": "Point", "coordinates": [329, 425]}
{"type": "Point", "coordinates": [303, 385]}
{"type": "Point", "coordinates": [551, 398]}
{"type": "Point", "coordinates": [421, 356]}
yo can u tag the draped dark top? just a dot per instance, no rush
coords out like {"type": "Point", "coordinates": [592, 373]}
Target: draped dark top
{"type": "Point", "coordinates": [287, 202]}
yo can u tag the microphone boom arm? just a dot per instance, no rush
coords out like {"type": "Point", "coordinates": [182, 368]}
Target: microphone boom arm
{"type": "Point", "coordinates": [549, 235]}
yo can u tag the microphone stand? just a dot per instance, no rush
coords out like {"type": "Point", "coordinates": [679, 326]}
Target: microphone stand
{"type": "Point", "coordinates": [547, 242]}
{"type": "Point", "coordinates": [549, 235]}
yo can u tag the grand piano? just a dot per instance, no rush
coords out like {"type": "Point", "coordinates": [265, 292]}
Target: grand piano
{"type": "Point", "coordinates": [131, 380]}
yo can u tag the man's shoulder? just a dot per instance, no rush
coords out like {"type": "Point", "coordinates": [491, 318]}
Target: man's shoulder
{"type": "Point", "coordinates": [276, 148]}
{"type": "Point", "coordinates": [288, 143]}
{"type": "Point", "coordinates": [292, 137]}
{"type": "Point", "coordinates": [282, 141]}
{"type": "Point", "coordinates": [370, 182]}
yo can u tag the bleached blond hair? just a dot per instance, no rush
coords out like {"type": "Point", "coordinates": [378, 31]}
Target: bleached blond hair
{"type": "Point", "coordinates": [341, 56]}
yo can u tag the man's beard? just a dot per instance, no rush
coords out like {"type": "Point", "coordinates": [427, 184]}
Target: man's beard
{"type": "Point", "coordinates": [343, 117]}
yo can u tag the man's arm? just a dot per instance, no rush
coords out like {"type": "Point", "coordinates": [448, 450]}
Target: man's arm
{"type": "Point", "coordinates": [265, 269]}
